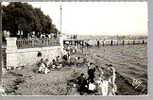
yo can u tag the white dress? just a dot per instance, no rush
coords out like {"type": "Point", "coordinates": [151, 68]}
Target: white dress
{"type": "Point", "coordinates": [104, 87]}
{"type": "Point", "coordinates": [41, 67]}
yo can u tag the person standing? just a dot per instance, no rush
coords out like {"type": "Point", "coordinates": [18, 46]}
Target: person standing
{"type": "Point", "coordinates": [91, 73]}
{"type": "Point", "coordinates": [112, 79]}
{"type": "Point", "coordinates": [98, 43]}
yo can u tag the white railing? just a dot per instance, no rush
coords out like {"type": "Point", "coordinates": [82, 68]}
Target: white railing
{"type": "Point", "coordinates": [107, 42]}
{"type": "Point", "coordinates": [32, 43]}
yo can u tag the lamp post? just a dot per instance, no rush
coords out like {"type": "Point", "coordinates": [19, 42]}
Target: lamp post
{"type": "Point", "coordinates": [61, 35]}
{"type": "Point", "coordinates": [61, 19]}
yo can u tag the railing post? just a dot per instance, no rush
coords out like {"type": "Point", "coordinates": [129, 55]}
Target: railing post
{"type": "Point", "coordinates": [11, 49]}
{"type": "Point", "coordinates": [11, 43]}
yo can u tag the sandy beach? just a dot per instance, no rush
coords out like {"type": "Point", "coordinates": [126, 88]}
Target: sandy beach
{"type": "Point", "coordinates": [130, 62]}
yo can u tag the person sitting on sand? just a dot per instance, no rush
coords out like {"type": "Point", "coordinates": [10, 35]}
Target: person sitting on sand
{"type": "Point", "coordinates": [41, 65]}
{"type": "Point", "coordinates": [54, 64]}
{"type": "Point", "coordinates": [41, 61]}
{"type": "Point", "coordinates": [72, 61]}
{"type": "Point", "coordinates": [47, 63]}
{"type": "Point", "coordinates": [65, 57]}
{"type": "Point", "coordinates": [43, 68]}
{"type": "Point", "coordinates": [85, 59]}
{"type": "Point", "coordinates": [82, 82]}
{"type": "Point", "coordinates": [57, 60]}
{"type": "Point", "coordinates": [46, 70]}
{"type": "Point", "coordinates": [78, 61]}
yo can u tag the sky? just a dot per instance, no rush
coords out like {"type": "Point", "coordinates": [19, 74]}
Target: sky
{"type": "Point", "coordinates": [98, 18]}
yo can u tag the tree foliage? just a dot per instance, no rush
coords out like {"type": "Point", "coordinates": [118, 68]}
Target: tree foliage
{"type": "Point", "coordinates": [22, 16]}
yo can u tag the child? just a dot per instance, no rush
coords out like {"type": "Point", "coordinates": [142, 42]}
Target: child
{"type": "Point", "coordinates": [41, 67]}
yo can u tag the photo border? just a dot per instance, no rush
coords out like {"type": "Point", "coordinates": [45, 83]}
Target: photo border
{"type": "Point", "coordinates": [123, 97]}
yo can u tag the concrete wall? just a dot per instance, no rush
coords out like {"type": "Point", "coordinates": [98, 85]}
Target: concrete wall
{"type": "Point", "coordinates": [21, 57]}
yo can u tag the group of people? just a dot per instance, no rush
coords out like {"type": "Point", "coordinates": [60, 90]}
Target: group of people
{"type": "Point", "coordinates": [44, 66]}
{"type": "Point", "coordinates": [70, 49]}
{"type": "Point", "coordinates": [71, 59]}
{"type": "Point", "coordinates": [99, 81]}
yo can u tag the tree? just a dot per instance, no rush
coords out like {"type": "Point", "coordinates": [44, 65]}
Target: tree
{"type": "Point", "coordinates": [22, 16]}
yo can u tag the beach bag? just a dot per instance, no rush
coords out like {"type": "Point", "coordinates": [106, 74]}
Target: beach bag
{"type": "Point", "coordinates": [92, 86]}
